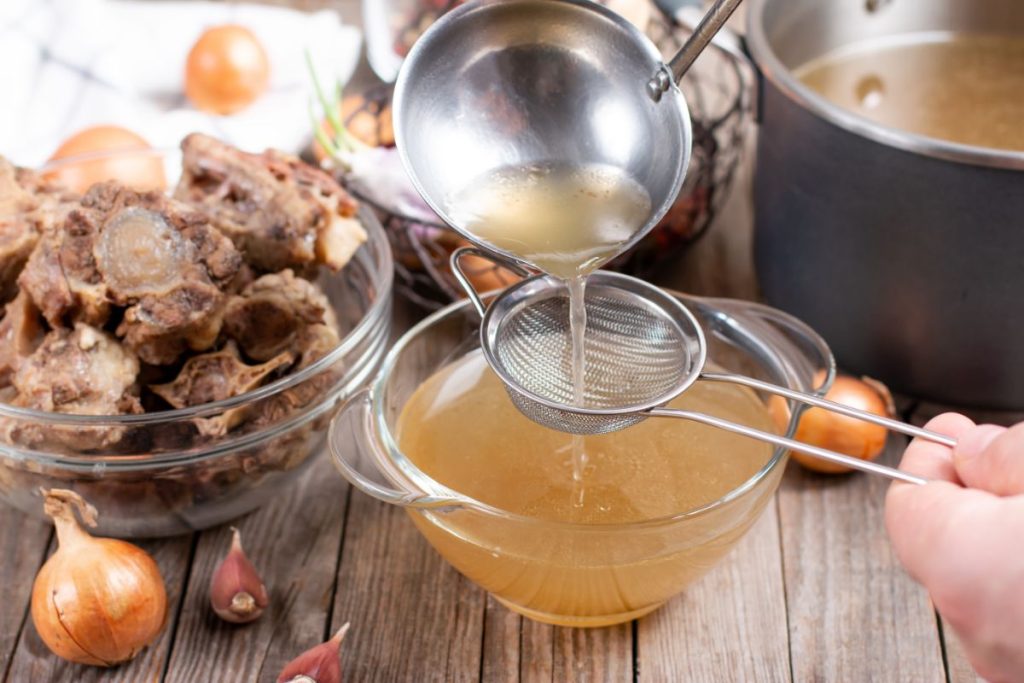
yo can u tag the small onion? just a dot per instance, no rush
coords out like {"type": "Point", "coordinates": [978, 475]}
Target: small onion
{"type": "Point", "coordinates": [227, 70]}
{"type": "Point", "coordinates": [96, 600]}
{"type": "Point", "coordinates": [839, 433]}
{"type": "Point", "coordinates": [107, 153]}
{"type": "Point", "coordinates": [369, 121]}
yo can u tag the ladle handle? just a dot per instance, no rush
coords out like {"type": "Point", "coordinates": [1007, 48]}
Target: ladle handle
{"type": "Point", "coordinates": [791, 444]}
{"type": "Point", "coordinates": [888, 423]}
{"type": "Point", "coordinates": [702, 35]}
{"type": "Point", "coordinates": [467, 284]}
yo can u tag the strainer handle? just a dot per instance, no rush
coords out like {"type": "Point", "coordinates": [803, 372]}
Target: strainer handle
{"type": "Point", "coordinates": [467, 284]}
{"type": "Point", "coordinates": [791, 444]}
{"type": "Point", "coordinates": [832, 406]}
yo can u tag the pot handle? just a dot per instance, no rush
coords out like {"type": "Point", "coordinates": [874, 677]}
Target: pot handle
{"type": "Point", "coordinates": [361, 458]}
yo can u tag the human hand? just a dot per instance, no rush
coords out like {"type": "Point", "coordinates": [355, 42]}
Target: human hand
{"type": "Point", "coordinates": [962, 537]}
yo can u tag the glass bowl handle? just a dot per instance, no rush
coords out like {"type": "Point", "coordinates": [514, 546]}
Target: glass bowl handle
{"type": "Point", "coordinates": [364, 461]}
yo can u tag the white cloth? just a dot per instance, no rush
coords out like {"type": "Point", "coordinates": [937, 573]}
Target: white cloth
{"type": "Point", "coordinates": [69, 64]}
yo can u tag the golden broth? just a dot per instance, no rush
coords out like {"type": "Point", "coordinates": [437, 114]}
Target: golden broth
{"type": "Point", "coordinates": [461, 430]}
{"type": "Point", "coordinates": [567, 223]}
{"type": "Point", "coordinates": [968, 89]}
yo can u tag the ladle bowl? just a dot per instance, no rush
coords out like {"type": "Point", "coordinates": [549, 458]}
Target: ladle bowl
{"type": "Point", "coordinates": [516, 83]}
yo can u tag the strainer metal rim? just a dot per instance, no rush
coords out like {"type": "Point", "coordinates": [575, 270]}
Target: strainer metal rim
{"type": "Point", "coordinates": [650, 294]}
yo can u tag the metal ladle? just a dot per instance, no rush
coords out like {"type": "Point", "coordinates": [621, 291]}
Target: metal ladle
{"type": "Point", "coordinates": [495, 84]}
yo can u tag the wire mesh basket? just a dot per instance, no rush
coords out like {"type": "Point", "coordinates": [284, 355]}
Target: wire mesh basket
{"type": "Point", "coordinates": [718, 92]}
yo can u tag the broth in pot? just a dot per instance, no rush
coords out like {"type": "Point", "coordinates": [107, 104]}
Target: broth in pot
{"type": "Point", "coordinates": [966, 89]}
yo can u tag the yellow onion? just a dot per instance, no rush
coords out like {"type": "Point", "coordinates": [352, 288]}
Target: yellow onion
{"type": "Point", "coordinates": [117, 154]}
{"type": "Point", "coordinates": [96, 600]}
{"type": "Point", "coordinates": [227, 70]}
{"type": "Point", "coordinates": [846, 435]}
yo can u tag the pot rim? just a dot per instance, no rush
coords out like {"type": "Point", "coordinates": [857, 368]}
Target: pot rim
{"type": "Point", "coordinates": [772, 69]}
{"type": "Point", "coordinates": [407, 467]}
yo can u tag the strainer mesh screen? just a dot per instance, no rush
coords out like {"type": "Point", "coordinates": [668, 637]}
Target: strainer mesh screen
{"type": "Point", "coordinates": [633, 355]}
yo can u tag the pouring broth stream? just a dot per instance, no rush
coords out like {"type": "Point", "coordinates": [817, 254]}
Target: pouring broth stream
{"type": "Point", "coordinates": [567, 222]}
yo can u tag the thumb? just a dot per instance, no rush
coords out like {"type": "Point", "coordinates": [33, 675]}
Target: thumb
{"type": "Point", "coordinates": [991, 458]}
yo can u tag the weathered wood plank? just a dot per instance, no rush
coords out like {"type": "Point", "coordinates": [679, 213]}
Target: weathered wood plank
{"type": "Point", "coordinates": [594, 655]}
{"type": "Point", "coordinates": [730, 625]}
{"type": "Point", "coordinates": [294, 543]}
{"type": "Point", "coordinates": [414, 618]}
{"type": "Point", "coordinates": [23, 544]}
{"type": "Point", "coordinates": [34, 662]}
{"type": "Point", "coordinates": [501, 647]}
{"type": "Point", "coordinates": [854, 614]}
{"type": "Point", "coordinates": [584, 655]}
{"type": "Point", "coordinates": [536, 652]}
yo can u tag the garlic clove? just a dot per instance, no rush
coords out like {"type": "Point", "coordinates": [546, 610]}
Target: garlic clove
{"type": "Point", "coordinates": [237, 593]}
{"type": "Point", "coordinates": [320, 664]}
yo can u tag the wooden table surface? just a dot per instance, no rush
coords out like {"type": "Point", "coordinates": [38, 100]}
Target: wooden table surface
{"type": "Point", "coordinates": [813, 593]}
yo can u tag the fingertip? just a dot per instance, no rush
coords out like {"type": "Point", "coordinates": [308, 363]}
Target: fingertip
{"type": "Point", "coordinates": [950, 424]}
{"type": "Point", "coordinates": [931, 460]}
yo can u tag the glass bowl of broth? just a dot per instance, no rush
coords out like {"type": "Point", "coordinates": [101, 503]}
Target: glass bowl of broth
{"type": "Point", "coordinates": [574, 531]}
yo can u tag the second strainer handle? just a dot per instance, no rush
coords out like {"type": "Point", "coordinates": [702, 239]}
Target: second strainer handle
{"type": "Point", "coordinates": [888, 423]}
{"type": "Point", "coordinates": [801, 447]}
{"type": "Point", "coordinates": [791, 444]}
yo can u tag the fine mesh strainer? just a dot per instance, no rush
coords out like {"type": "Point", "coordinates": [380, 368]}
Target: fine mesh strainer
{"type": "Point", "coordinates": [643, 348]}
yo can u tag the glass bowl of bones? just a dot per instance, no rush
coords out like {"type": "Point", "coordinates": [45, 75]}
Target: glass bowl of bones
{"type": "Point", "coordinates": [173, 342]}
